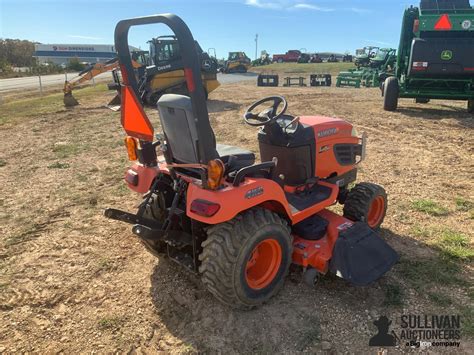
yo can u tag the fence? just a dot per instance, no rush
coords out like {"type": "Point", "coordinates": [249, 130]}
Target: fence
{"type": "Point", "coordinates": [41, 83]}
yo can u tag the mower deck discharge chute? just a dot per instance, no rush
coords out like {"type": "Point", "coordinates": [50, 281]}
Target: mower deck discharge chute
{"type": "Point", "coordinates": [436, 55]}
{"type": "Point", "coordinates": [237, 223]}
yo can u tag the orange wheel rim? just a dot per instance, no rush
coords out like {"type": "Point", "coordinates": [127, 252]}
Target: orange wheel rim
{"type": "Point", "coordinates": [376, 211]}
{"type": "Point", "coordinates": [263, 264]}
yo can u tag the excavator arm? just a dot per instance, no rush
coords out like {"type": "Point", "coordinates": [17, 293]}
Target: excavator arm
{"type": "Point", "coordinates": [88, 74]}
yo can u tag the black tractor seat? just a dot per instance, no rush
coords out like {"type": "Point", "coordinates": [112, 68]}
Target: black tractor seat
{"type": "Point", "coordinates": [179, 125]}
{"type": "Point", "coordinates": [235, 158]}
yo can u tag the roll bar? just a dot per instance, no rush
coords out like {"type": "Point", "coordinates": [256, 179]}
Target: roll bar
{"type": "Point", "coordinates": [192, 72]}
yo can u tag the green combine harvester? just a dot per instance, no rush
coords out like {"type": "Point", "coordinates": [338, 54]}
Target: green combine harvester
{"type": "Point", "coordinates": [371, 70]}
{"type": "Point", "coordinates": [436, 55]}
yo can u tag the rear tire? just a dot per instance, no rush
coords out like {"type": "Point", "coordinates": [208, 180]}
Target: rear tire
{"type": "Point", "coordinates": [245, 260]}
{"type": "Point", "coordinates": [155, 211]}
{"type": "Point", "coordinates": [391, 92]}
{"type": "Point", "coordinates": [366, 202]}
{"type": "Point", "coordinates": [470, 106]}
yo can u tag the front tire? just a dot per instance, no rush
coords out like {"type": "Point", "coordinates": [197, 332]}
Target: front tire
{"type": "Point", "coordinates": [366, 202]}
{"type": "Point", "coordinates": [470, 106]}
{"type": "Point", "coordinates": [245, 260]}
{"type": "Point", "coordinates": [391, 92]}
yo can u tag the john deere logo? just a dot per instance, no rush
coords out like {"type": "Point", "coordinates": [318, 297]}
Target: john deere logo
{"type": "Point", "coordinates": [466, 24]}
{"type": "Point", "coordinates": [446, 55]}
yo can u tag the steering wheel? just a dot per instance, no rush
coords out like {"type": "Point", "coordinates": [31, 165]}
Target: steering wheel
{"type": "Point", "coordinates": [268, 115]}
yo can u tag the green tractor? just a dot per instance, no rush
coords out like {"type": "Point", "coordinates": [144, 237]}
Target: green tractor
{"type": "Point", "coordinates": [372, 73]}
{"type": "Point", "coordinates": [263, 60]}
{"type": "Point", "coordinates": [363, 56]}
{"type": "Point", "coordinates": [436, 55]}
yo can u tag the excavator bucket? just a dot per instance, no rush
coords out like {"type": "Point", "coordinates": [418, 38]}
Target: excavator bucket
{"type": "Point", "coordinates": [69, 100]}
{"type": "Point", "coordinates": [115, 103]}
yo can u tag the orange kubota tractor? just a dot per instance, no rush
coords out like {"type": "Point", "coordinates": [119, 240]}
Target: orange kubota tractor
{"type": "Point", "coordinates": [237, 223]}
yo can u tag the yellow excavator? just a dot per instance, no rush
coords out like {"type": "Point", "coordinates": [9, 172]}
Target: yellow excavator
{"type": "Point", "coordinates": [165, 72]}
{"type": "Point", "coordinates": [158, 72]}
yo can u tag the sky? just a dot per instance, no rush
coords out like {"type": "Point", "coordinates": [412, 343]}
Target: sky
{"type": "Point", "coordinates": [226, 25]}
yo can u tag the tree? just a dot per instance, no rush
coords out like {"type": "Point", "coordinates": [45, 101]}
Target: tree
{"type": "Point", "coordinates": [75, 65]}
{"type": "Point", "coordinates": [18, 53]}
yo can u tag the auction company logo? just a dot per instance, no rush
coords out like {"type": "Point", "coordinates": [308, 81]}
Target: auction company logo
{"type": "Point", "coordinates": [419, 331]}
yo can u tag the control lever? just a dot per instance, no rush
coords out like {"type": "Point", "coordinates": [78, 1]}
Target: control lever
{"type": "Point", "coordinates": [294, 121]}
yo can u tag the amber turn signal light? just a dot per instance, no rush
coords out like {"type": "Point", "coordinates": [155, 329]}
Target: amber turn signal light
{"type": "Point", "coordinates": [131, 144]}
{"type": "Point", "coordinates": [215, 173]}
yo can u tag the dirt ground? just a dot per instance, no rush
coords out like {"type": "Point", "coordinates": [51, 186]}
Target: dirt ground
{"type": "Point", "coordinates": [72, 281]}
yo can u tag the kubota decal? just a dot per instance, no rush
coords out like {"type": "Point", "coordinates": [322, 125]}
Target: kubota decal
{"type": "Point", "coordinates": [327, 132]}
{"type": "Point", "coordinates": [254, 192]}
{"type": "Point", "coordinates": [324, 148]}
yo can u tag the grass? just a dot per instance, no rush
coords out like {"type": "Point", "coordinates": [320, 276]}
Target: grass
{"type": "Point", "coordinates": [64, 151]}
{"type": "Point", "coordinates": [39, 106]}
{"type": "Point", "coordinates": [110, 323]}
{"type": "Point", "coordinates": [463, 205]}
{"type": "Point", "coordinates": [58, 165]}
{"type": "Point", "coordinates": [310, 333]}
{"type": "Point", "coordinates": [467, 320]}
{"type": "Point", "coordinates": [430, 207]}
{"type": "Point", "coordinates": [423, 273]}
{"type": "Point", "coordinates": [452, 244]}
{"type": "Point", "coordinates": [312, 68]}
{"type": "Point", "coordinates": [30, 233]}
{"type": "Point", "coordinates": [2, 163]}
{"type": "Point", "coordinates": [440, 299]}
{"type": "Point", "coordinates": [394, 295]}
{"type": "Point", "coordinates": [105, 264]}
{"type": "Point", "coordinates": [455, 245]}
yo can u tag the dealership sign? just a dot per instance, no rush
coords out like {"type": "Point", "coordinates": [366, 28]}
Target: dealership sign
{"type": "Point", "coordinates": [80, 49]}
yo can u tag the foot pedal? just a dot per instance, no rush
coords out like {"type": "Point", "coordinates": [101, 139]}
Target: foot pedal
{"type": "Point", "coordinates": [361, 256]}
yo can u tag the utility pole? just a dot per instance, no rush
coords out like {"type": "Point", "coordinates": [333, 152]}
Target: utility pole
{"type": "Point", "coordinates": [256, 46]}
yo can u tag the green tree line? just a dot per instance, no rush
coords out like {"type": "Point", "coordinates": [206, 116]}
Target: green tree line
{"type": "Point", "coordinates": [16, 52]}
{"type": "Point", "coordinates": [19, 53]}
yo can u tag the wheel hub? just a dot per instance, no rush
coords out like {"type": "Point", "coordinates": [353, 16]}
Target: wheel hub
{"type": "Point", "coordinates": [376, 211]}
{"type": "Point", "coordinates": [263, 264]}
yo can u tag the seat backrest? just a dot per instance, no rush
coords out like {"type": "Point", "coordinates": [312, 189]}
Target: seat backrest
{"type": "Point", "coordinates": [179, 125]}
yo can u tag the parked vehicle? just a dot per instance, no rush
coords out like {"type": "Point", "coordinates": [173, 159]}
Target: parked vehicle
{"type": "Point", "coordinates": [309, 58]}
{"type": "Point", "coordinates": [290, 56]}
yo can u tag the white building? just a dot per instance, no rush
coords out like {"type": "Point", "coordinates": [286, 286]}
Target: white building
{"type": "Point", "coordinates": [62, 53]}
